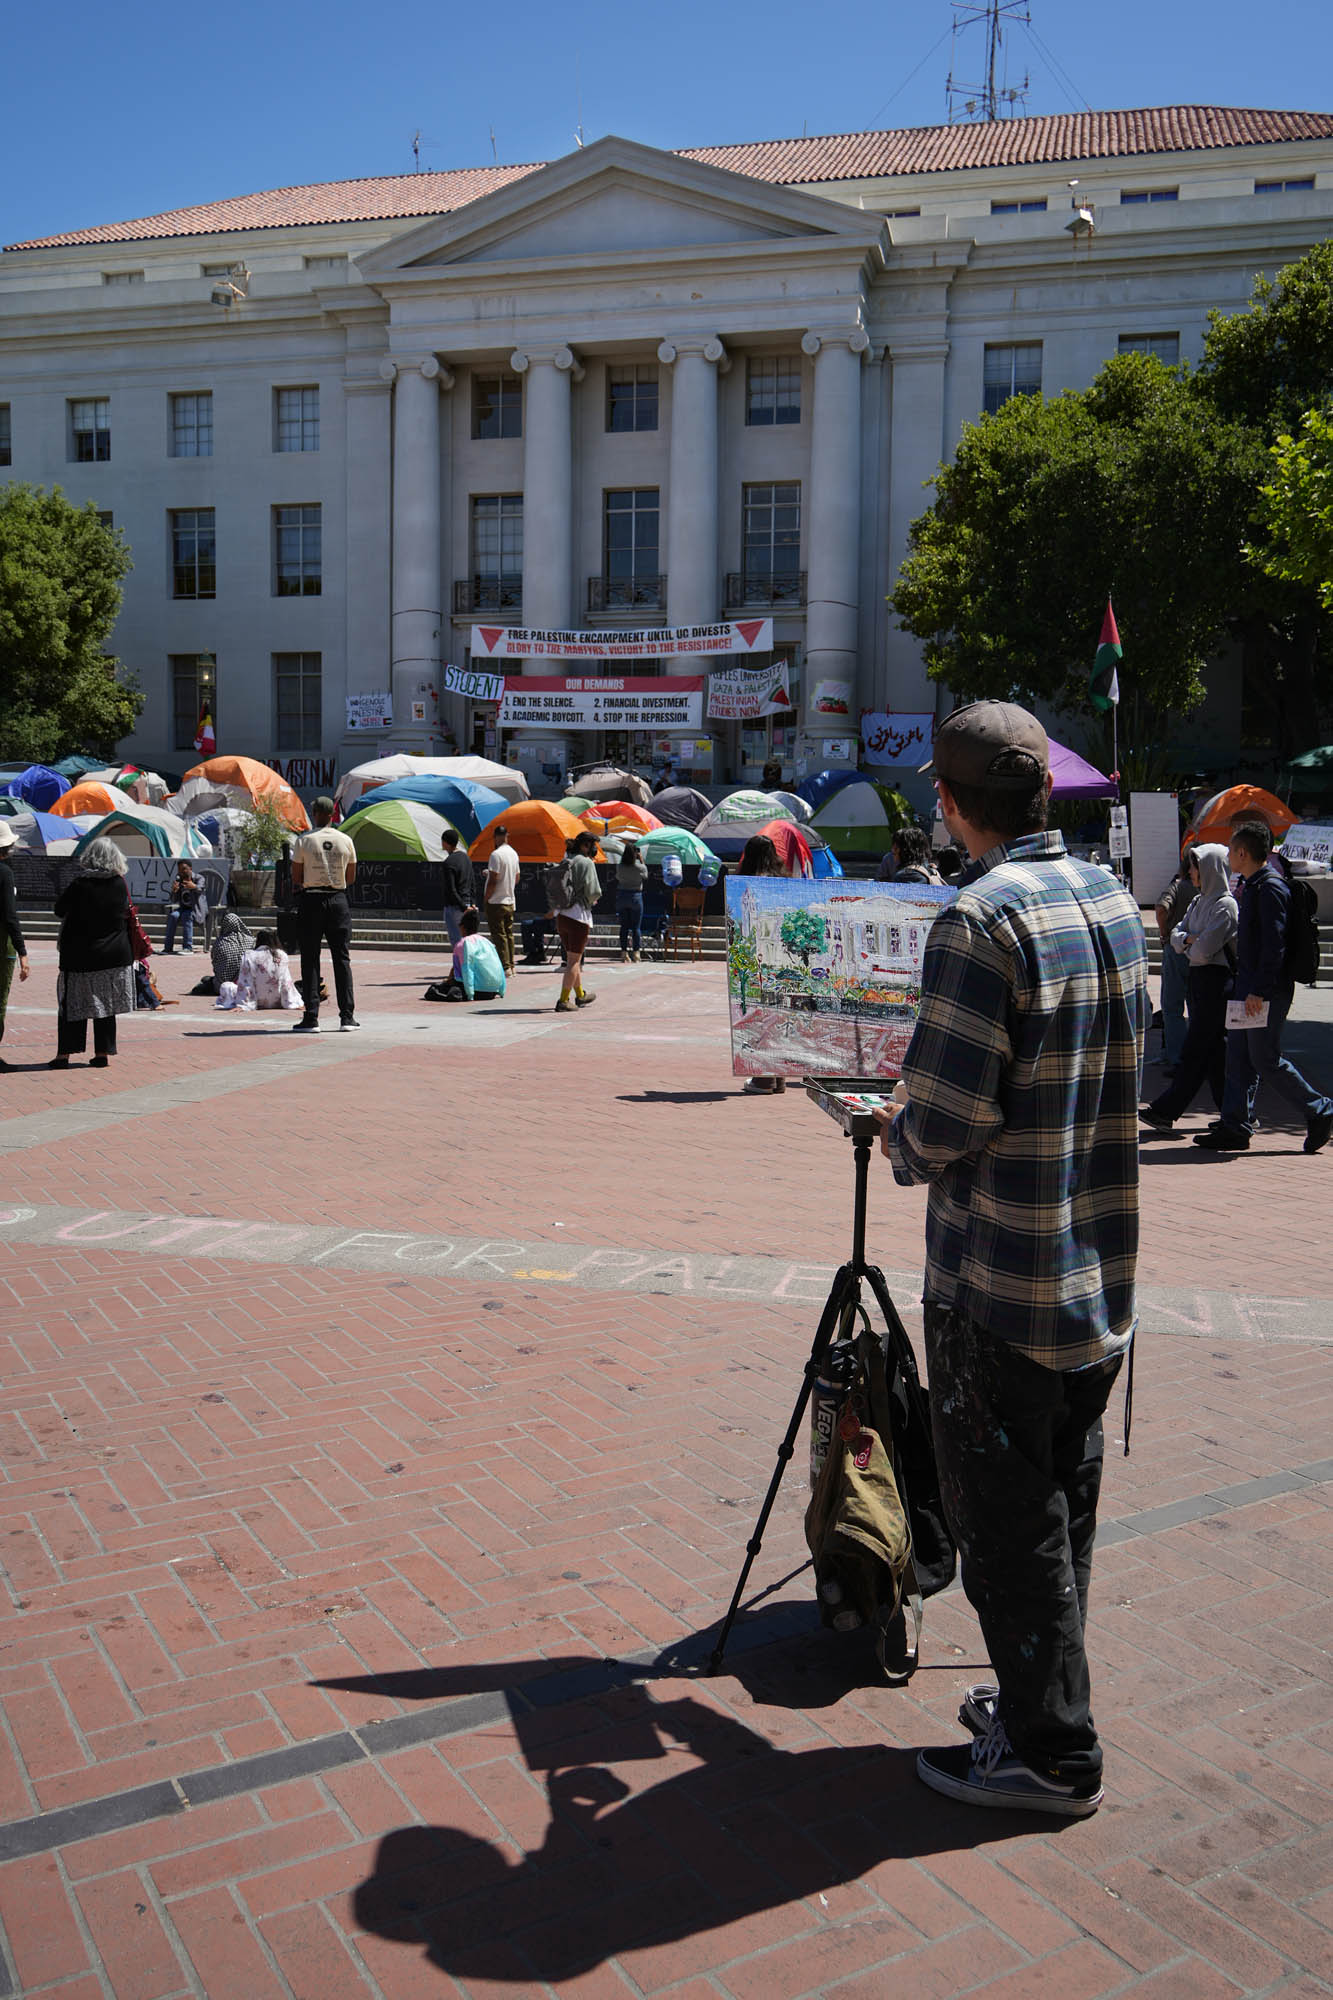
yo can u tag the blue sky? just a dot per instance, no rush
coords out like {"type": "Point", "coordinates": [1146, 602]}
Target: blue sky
{"type": "Point", "coordinates": [117, 112]}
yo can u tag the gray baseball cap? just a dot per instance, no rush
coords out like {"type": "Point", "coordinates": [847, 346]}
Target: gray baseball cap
{"type": "Point", "coordinates": [968, 742]}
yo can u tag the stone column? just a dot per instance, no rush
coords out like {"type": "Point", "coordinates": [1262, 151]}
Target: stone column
{"type": "Point", "coordinates": [418, 617]}
{"type": "Point", "coordinates": [548, 498]}
{"type": "Point", "coordinates": [833, 521]}
{"type": "Point", "coordinates": [691, 545]}
{"type": "Point", "coordinates": [369, 594]}
{"type": "Point", "coordinates": [917, 447]}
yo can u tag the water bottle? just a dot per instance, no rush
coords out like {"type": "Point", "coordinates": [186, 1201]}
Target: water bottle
{"type": "Point", "coordinates": [827, 1395]}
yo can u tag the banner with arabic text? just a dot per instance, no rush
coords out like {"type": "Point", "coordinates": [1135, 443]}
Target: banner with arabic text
{"type": "Point", "coordinates": [519, 642]}
{"type": "Point", "coordinates": [897, 737]}
{"type": "Point", "coordinates": [738, 694]}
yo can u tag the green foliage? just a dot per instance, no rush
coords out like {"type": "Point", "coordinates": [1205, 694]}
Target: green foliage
{"type": "Point", "coordinates": [1268, 365]}
{"type": "Point", "coordinates": [1296, 510]}
{"type": "Point", "coordinates": [60, 577]}
{"type": "Point", "coordinates": [1133, 487]}
{"type": "Point", "coordinates": [742, 961]}
{"type": "Point", "coordinates": [802, 933]}
{"type": "Point", "coordinates": [263, 834]}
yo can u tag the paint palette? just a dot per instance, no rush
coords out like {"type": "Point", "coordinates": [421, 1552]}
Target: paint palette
{"type": "Point", "coordinates": [850, 1100]}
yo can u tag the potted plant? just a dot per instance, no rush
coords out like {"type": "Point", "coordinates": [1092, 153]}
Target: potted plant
{"type": "Point", "coordinates": [260, 841]}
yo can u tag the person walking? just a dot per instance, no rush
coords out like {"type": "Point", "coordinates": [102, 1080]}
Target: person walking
{"type": "Point", "coordinates": [574, 921]}
{"type": "Point", "coordinates": [501, 895]}
{"type": "Point", "coordinates": [1169, 911]}
{"type": "Point", "coordinates": [631, 874]}
{"type": "Point", "coordinates": [323, 869]}
{"type": "Point", "coordinates": [183, 904]}
{"type": "Point", "coordinates": [1263, 982]}
{"type": "Point", "coordinates": [13, 950]}
{"type": "Point", "coordinates": [1018, 1109]}
{"type": "Point", "coordinates": [96, 981]}
{"type": "Point", "coordinates": [457, 884]}
{"type": "Point", "coordinates": [1204, 941]}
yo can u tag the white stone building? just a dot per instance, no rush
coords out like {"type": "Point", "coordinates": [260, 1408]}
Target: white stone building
{"type": "Point", "coordinates": [630, 388]}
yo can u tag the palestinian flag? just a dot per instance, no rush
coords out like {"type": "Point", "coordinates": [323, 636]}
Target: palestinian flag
{"type": "Point", "coordinates": [205, 741]}
{"type": "Point", "coordinates": [1104, 686]}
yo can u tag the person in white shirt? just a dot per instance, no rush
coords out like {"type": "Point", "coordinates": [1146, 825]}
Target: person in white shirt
{"type": "Point", "coordinates": [323, 866]}
{"type": "Point", "coordinates": [501, 886]}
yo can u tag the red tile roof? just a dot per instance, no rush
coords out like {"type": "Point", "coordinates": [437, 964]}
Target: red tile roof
{"type": "Point", "coordinates": [924, 149]}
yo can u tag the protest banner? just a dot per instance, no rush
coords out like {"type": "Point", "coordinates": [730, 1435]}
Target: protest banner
{"type": "Point", "coordinates": [369, 711]}
{"type": "Point", "coordinates": [896, 738]}
{"type": "Point", "coordinates": [740, 694]}
{"type": "Point", "coordinates": [519, 642]}
{"type": "Point", "coordinates": [602, 702]}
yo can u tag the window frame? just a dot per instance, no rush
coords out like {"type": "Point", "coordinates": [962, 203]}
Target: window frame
{"type": "Point", "coordinates": [507, 508]}
{"type": "Point", "coordinates": [1037, 206]}
{"type": "Point", "coordinates": [1144, 197]}
{"type": "Point", "coordinates": [771, 573]}
{"type": "Point", "coordinates": [1148, 343]}
{"type": "Point", "coordinates": [508, 404]}
{"type": "Point", "coordinates": [637, 573]}
{"type": "Point", "coordinates": [304, 425]}
{"type": "Point", "coordinates": [645, 387]}
{"type": "Point", "coordinates": [1294, 184]}
{"type": "Point", "coordinates": [202, 669]}
{"type": "Point", "coordinates": [6, 434]}
{"type": "Point", "coordinates": [764, 409]}
{"type": "Point", "coordinates": [178, 431]}
{"type": "Point", "coordinates": [309, 730]}
{"type": "Point", "coordinates": [122, 277]}
{"type": "Point", "coordinates": [189, 563]}
{"type": "Point", "coordinates": [1013, 348]}
{"type": "Point", "coordinates": [100, 451]}
{"type": "Point", "coordinates": [306, 571]}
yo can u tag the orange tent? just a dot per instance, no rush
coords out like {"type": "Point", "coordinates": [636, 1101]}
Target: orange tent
{"type": "Point", "coordinates": [245, 780]}
{"type": "Point", "coordinates": [1214, 819]}
{"type": "Point", "coordinates": [89, 796]}
{"type": "Point", "coordinates": [537, 831]}
{"type": "Point", "coordinates": [619, 816]}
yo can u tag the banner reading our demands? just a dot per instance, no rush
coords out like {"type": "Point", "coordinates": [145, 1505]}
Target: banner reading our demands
{"type": "Point", "coordinates": [602, 702]}
{"type": "Point", "coordinates": [519, 642]}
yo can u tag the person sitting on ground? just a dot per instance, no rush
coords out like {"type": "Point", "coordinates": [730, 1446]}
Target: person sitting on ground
{"type": "Point", "coordinates": [1204, 942]}
{"type": "Point", "coordinates": [574, 922]}
{"type": "Point", "coordinates": [759, 856]}
{"type": "Point", "coordinates": [263, 980]}
{"type": "Point", "coordinates": [477, 971]}
{"type": "Point", "coordinates": [908, 859]}
{"type": "Point", "coordinates": [231, 940]}
{"type": "Point", "coordinates": [631, 874]}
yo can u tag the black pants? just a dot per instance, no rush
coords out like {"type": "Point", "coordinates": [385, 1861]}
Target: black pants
{"type": "Point", "coordinates": [1019, 1452]}
{"type": "Point", "coordinates": [322, 915]}
{"type": "Point", "coordinates": [72, 1036]}
{"type": "Point", "coordinates": [1203, 1056]}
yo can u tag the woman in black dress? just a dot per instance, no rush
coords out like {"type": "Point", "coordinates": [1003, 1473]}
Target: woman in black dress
{"type": "Point", "coordinates": [96, 958]}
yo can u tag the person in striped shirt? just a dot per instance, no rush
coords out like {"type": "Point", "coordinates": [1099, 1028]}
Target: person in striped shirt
{"type": "Point", "coordinates": [1018, 1107]}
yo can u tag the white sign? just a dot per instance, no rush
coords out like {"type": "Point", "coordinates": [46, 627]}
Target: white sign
{"type": "Point", "coordinates": [832, 698]}
{"type": "Point", "coordinates": [149, 880]}
{"type": "Point", "coordinates": [739, 694]}
{"type": "Point", "coordinates": [370, 711]}
{"type": "Point", "coordinates": [1154, 819]}
{"type": "Point", "coordinates": [891, 738]}
{"type": "Point", "coordinates": [477, 687]}
{"type": "Point", "coordinates": [1119, 843]}
{"type": "Point", "coordinates": [1309, 843]}
{"type": "Point", "coordinates": [518, 642]}
{"type": "Point", "coordinates": [839, 749]}
{"type": "Point", "coordinates": [602, 702]}
{"type": "Point", "coordinates": [1238, 1016]}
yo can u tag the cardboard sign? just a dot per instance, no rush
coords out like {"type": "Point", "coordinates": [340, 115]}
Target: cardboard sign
{"type": "Point", "coordinates": [1309, 842]}
{"type": "Point", "coordinates": [519, 642]}
{"type": "Point", "coordinates": [369, 711]}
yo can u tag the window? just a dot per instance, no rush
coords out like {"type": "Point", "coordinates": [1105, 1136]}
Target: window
{"type": "Point", "coordinates": [1166, 346]}
{"type": "Point", "coordinates": [497, 551]}
{"type": "Point", "coordinates": [90, 430]}
{"type": "Point", "coordinates": [192, 425]}
{"type": "Point", "coordinates": [773, 389]}
{"type": "Point", "coordinates": [1129, 196]}
{"type": "Point", "coordinates": [630, 553]}
{"type": "Point", "coordinates": [193, 686]}
{"type": "Point", "coordinates": [122, 277]}
{"type": "Point", "coordinates": [1285, 187]}
{"type": "Point", "coordinates": [298, 702]}
{"type": "Point", "coordinates": [897, 214]}
{"type": "Point", "coordinates": [296, 548]}
{"type": "Point", "coordinates": [107, 520]}
{"type": "Point", "coordinates": [631, 397]}
{"type": "Point", "coordinates": [771, 541]}
{"type": "Point", "coordinates": [193, 553]}
{"type": "Point", "coordinates": [497, 406]}
{"type": "Point", "coordinates": [216, 270]}
{"type": "Point", "coordinates": [326, 263]}
{"type": "Point", "coordinates": [296, 413]}
{"type": "Point", "coordinates": [1018, 207]}
{"type": "Point", "coordinates": [6, 437]}
{"type": "Point", "coordinates": [1012, 371]}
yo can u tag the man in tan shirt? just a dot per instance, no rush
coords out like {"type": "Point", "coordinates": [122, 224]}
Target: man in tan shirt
{"type": "Point", "coordinates": [323, 865]}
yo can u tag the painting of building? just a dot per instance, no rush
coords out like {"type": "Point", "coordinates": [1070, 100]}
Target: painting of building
{"type": "Point", "coordinates": [824, 977]}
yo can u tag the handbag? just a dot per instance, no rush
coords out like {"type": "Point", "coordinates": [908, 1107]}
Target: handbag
{"type": "Point", "coordinates": [140, 942]}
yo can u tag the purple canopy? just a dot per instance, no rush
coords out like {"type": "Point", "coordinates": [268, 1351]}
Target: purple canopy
{"type": "Point", "coordinates": [1075, 778]}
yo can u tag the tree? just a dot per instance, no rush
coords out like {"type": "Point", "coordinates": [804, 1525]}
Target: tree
{"type": "Point", "coordinates": [1296, 510]}
{"type": "Point", "coordinates": [742, 962]}
{"type": "Point", "coordinates": [60, 577]}
{"type": "Point", "coordinates": [802, 933]}
{"type": "Point", "coordinates": [1134, 487]}
{"type": "Point", "coordinates": [1268, 365]}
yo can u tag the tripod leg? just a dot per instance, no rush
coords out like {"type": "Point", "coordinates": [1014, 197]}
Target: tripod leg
{"type": "Point", "coordinates": [842, 1299]}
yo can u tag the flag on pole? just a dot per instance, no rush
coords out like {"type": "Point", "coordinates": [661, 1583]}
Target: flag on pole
{"type": "Point", "coordinates": [205, 741]}
{"type": "Point", "coordinates": [1104, 686]}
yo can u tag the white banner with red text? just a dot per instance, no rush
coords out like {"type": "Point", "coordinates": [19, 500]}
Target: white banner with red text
{"type": "Point", "coordinates": [740, 694]}
{"type": "Point", "coordinates": [519, 642]}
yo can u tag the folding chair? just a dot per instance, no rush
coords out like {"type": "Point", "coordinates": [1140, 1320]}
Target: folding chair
{"type": "Point", "coordinates": [686, 922]}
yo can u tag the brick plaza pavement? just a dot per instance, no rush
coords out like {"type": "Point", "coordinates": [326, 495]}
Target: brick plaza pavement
{"type": "Point", "coordinates": [384, 1418]}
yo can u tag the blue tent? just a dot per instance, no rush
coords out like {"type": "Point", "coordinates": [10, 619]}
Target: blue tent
{"type": "Point", "coordinates": [466, 805]}
{"type": "Point", "coordinates": [817, 791]}
{"type": "Point", "coordinates": [823, 861]}
{"type": "Point", "coordinates": [38, 787]}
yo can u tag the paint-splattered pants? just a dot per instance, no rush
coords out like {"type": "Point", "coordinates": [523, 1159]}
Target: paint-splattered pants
{"type": "Point", "coordinates": [1019, 1451]}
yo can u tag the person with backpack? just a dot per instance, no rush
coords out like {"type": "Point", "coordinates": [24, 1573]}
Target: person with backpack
{"type": "Point", "coordinates": [501, 896]}
{"type": "Point", "coordinates": [1277, 943]}
{"type": "Point", "coordinates": [572, 890]}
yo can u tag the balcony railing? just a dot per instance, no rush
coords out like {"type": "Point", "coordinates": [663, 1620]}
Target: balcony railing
{"type": "Point", "coordinates": [489, 593]}
{"type": "Point", "coordinates": [625, 593]}
{"type": "Point", "coordinates": [747, 588]}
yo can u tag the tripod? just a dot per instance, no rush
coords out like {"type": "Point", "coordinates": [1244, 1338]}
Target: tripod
{"type": "Point", "coordinates": [840, 1309]}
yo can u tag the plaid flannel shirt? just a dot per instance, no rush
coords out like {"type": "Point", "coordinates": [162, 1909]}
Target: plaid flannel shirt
{"type": "Point", "coordinates": [1023, 1082]}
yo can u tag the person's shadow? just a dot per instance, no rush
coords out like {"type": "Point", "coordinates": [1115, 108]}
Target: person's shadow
{"type": "Point", "coordinates": [745, 1829]}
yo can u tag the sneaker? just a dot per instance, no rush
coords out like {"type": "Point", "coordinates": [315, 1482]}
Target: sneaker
{"type": "Point", "coordinates": [625, 957]}
{"type": "Point", "coordinates": [564, 1006]}
{"type": "Point", "coordinates": [1318, 1133]}
{"type": "Point", "coordinates": [989, 1772]}
{"type": "Point", "coordinates": [306, 1028]}
{"type": "Point", "coordinates": [1223, 1139]}
{"type": "Point", "coordinates": [584, 999]}
{"type": "Point", "coordinates": [978, 1707]}
{"type": "Point", "coordinates": [757, 1086]}
{"type": "Point", "coordinates": [350, 1023]}
{"type": "Point", "coordinates": [1154, 1119]}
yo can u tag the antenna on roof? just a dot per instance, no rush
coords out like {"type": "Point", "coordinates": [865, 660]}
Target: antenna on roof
{"type": "Point", "coordinates": [995, 97]}
{"type": "Point", "coordinates": [416, 149]}
{"type": "Point", "coordinates": [494, 155]}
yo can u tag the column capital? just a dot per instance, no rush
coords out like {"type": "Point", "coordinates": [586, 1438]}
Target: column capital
{"type": "Point", "coordinates": [429, 367]}
{"type": "Point", "coordinates": [854, 337]}
{"type": "Point", "coordinates": [562, 358]}
{"type": "Point", "coordinates": [706, 344]}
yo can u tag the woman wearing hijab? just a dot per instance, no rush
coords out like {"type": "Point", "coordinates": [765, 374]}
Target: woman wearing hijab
{"type": "Point", "coordinates": [96, 957]}
{"type": "Point", "coordinates": [13, 951]}
{"type": "Point", "coordinates": [231, 941]}
{"type": "Point", "coordinates": [1206, 938]}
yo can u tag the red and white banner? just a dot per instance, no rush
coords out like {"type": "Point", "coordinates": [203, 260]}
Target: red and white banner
{"type": "Point", "coordinates": [519, 642]}
{"type": "Point", "coordinates": [602, 702]}
{"type": "Point", "coordinates": [740, 694]}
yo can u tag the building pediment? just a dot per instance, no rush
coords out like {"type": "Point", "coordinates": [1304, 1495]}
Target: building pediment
{"type": "Point", "coordinates": [613, 199]}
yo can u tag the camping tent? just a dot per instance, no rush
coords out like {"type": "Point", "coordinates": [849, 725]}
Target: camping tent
{"type": "Point", "coordinates": [537, 829]}
{"type": "Point", "coordinates": [857, 818]}
{"type": "Point", "coordinates": [609, 781]}
{"type": "Point", "coordinates": [397, 830]}
{"type": "Point", "coordinates": [1215, 817]}
{"type": "Point", "coordinates": [680, 805]}
{"type": "Point", "coordinates": [48, 833]}
{"type": "Point", "coordinates": [467, 806]}
{"type": "Point", "coordinates": [38, 787]}
{"type": "Point", "coordinates": [90, 795]}
{"type": "Point", "coordinates": [149, 830]}
{"type": "Point", "coordinates": [238, 781]}
{"type": "Point", "coordinates": [511, 785]}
